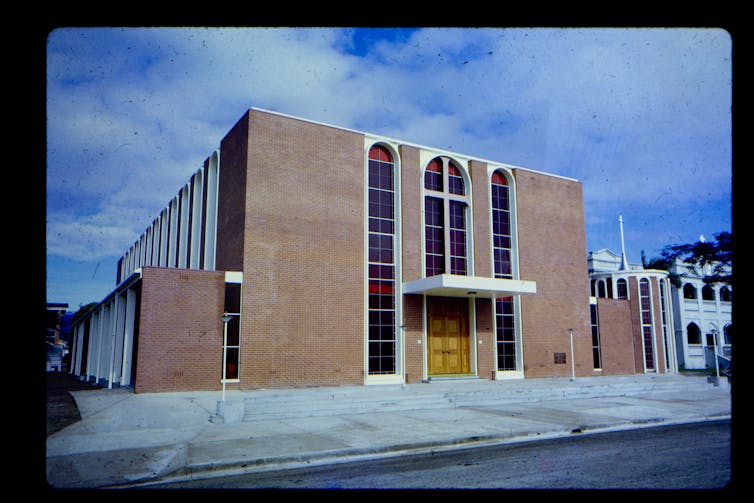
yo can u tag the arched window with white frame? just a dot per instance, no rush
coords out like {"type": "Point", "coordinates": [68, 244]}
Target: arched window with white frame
{"type": "Point", "coordinates": [446, 219]}
{"type": "Point", "coordinates": [693, 334]}
{"type": "Point", "coordinates": [622, 285]}
{"type": "Point", "coordinates": [689, 291]}
{"type": "Point", "coordinates": [381, 263]}
{"type": "Point", "coordinates": [647, 327]}
{"type": "Point", "coordinates": [503, 260]}
{"type": "Point", "coordinates": [708, 293]}
{"type": "Point", "coordinates": [725, 295]}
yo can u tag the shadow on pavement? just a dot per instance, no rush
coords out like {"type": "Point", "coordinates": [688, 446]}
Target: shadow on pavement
{"type": "Point", "coordinates": [62, 410]}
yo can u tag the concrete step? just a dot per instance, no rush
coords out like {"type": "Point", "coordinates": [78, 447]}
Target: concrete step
{"type": "Point", "coordinates": [263, 405]}
{"type": "Point", "coordinates": [577, 389]}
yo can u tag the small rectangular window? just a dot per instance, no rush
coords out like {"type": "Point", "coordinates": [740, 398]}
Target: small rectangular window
{"type": "Point", "coordinates": [233, 298]}
{"type": "Point", "coordinates": [622, 289]}
{"type": "Point", "coordinates": [232, 332]}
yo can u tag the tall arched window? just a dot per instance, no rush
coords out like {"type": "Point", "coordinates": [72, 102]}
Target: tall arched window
{"type": "Point", "coordinates": [689, 291]}
{"type": "Point", "coordinates": [445, 219]}
{"type": "Point", "coordinates": [601, 289]}
{"type": "Point", "coordinates": [645, 302]}
{"type": "Point", "coordinates": [381, 263]}
{"type": "Point", "coordinates": [728, 334]}
{"type": "Point", "coordinates": [708, 293]}
{"type": "Point", "coordinates": [502, 247]}
{"type": "Point", "coordinates": [622, 288]}
{"type": "Point", "coordinates": [693, 334]}
{"type": "Point", "coordinates": [501, 226]}
{"type": "Point", "coordinates": [725, 294]}
{"type": "Point", "coordinates": [664, 323]}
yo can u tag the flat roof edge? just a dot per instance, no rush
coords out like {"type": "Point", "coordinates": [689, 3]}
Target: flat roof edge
{"type": "Point", "coordinates": [412, 144]}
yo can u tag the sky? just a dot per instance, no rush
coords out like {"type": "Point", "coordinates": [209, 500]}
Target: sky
{"type": "Point", "coordinates": [641, 117]}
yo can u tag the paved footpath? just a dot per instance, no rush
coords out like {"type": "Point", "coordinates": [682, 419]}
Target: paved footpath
{"type": "Point", "coordinates": [126, 439]}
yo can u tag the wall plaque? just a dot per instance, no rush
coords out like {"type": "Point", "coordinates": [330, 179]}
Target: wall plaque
{"type": "Point", "coordinates": [560, 358]}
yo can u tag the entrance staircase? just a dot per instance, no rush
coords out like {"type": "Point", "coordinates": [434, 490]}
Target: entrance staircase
{"type": "Point", "coordinates": [261, 405]}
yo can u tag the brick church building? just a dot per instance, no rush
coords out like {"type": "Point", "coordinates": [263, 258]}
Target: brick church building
{"type": "Point", "coordinates": [304, 254]}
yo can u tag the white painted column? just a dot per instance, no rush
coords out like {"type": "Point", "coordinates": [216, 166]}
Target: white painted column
{"type": "Point", "coordinates": [106, 342]}
{"type": "Point", "coordinates": [76, 356]}
{"type": "Point", "coordinates": [164, 221]}
{"type": "Point", "coordinates": [86, 370]}
{"type": "Point", "coordinates": [196, 220]}
{"type": "Point", "coordinates": [173, 243]}
{"type": "Point", "coordinates": [155, 243]}
{"type": "Point", "coordinates": [97, 336]}
{"type": "Point", "coordinates": [119, 331]}
{"type": "Point", "coordinates": [112, 335]}
{"type": "Point", "coordinates": [210, 233]}
{"type": "Point", "coordinates": [139, 253]}
{"type": "Point", "coordinates": [128, 337]}
{"type": "Point", "coordinates": [148, 251]}
{"type": "Point", "coordinates": [184, 228]}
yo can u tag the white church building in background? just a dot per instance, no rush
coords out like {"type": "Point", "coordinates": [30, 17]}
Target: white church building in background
{"type": "Point", "coordinates": [703, 317]}
{"type": "Point", "coordinates": [695, 317]}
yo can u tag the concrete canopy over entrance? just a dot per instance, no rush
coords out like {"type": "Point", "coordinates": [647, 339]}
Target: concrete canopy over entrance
{"type": "Point", "coordinates": [450, 285]}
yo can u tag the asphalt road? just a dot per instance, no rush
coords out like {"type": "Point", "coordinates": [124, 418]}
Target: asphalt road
{"type": "Point", "coordinates": [689, 456]}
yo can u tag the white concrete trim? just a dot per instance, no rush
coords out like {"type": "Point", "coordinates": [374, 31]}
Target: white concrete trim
{"type": "Point", "coordinates": [210, 238]}
{"type": "Point", "coordinates": [378, 379]}
{"type": "Point", "coordinates": [450, 285]}
{"type": "Point", "coordinates": [197, 209]}
{"type": "Point", "coordinates": [502, 375]}
{"type": "Point", "coordinates": [397, 377]}
{"type": "Point", "coordinates": [233, 277]}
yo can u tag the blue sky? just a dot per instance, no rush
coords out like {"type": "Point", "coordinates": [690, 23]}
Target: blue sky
{"type": "Point", "coordinates": [642, 117]}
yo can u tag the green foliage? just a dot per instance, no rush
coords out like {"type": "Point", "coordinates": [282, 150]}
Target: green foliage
{"type": "Point", "coordinates": [82, 310]}
{"type": "Point", "coordinates": [718, 254]}
{"type": "Point", "coordinates": [664, 264]}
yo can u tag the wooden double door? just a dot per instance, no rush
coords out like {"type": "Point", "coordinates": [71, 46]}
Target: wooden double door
{"type": "Point", "coordinates": [448, 339]}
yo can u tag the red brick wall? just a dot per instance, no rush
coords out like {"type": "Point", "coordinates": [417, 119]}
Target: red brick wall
{"type": "Point", "coordinates": [180, 330]}
{"type": "Point", "coordinates": [482, 212]}
{"type": "Point", "coordinates": [637, 352]}
{"type": "Point", "coordinates": [303, 293]}
{"type": "Point", "coordinates": [485, 332]}
{"type": "Point", "coordinates": [411, 213]}
{"type": "Point", "coordinates": [552, 252]}
{"type": "Point", "coordinates": [616, 336]}
{"type": "Point", "coordinates": [485, 327]}
{"type": "Point", "coordinates": [413, 316]}
{"type": "Point", "coordinates": [231, 197]}
{"type": "Point", "coordinates": [659, 354]}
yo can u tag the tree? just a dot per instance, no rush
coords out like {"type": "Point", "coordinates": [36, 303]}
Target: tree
{"type": "Point", "coordinates": [82, 310]}
{"type": "Point", "coordinates": [718, 254]}
{"type": "Point", "coordinates": [663, 264]}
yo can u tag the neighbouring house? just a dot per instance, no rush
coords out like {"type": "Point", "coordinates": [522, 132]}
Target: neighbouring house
{"type": "Point", "coordinates": [56, 346]}
{"type": "Point", "coordinates": [671, 319]}
{"type": "Point", "coordinates": [704, 318]}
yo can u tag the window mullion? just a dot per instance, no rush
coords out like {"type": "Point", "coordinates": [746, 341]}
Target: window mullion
{"type": "Point", "coordinates": [446, 235]}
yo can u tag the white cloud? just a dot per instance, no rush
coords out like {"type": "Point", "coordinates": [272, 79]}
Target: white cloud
{"type": "Point", "coordinates": [86, 238]}
{"type": "Point", "coordinates": [639, 116]}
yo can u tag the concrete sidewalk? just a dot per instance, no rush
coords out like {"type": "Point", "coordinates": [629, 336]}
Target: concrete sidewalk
{"type": "Point", "coordinates": [126, 439]}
